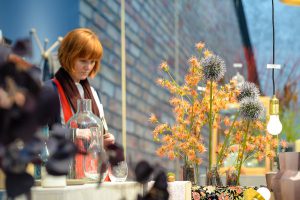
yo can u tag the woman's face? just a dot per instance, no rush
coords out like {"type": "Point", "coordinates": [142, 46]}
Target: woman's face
{"type": "Point", "coordinates": [82, 69]}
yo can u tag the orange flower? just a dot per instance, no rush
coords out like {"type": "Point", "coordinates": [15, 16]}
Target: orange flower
{"type": "Point", "coordinates": [274, 143]}
{"type": "Point", "coordinates": [238, 136]}
{"type": "Point", "coordinates": [201, 148]}
{"type": "Point", "coordinates": [160, 129]}
{"type": "Point", "coordinates": [200, 45]}
{"type": "Point", "coordinates": [153, 118]}
{"type": "Point", "coordinates": [283, 144]}
{"type": "Point", "coordinates": [167, 139]}
{"type": "Point", "coordinates": [171, 155]}
{"type": "Point", "coordinates": [271, 154]}
{"type": "Point", "coordinates": [194, 93]}
{"type": "Point", "coordinates": [191, 154]}
{"type": "Point", "coordinates": [160, 82]}
{"type": "Point", "coordinates": [192, 80]}
{"type": "Point", "coordinates": [259, 125]}
{"type": "Point", "coordinates": [227, 121]}
{"type": "Point", "coordinates": [194, 62]}
{"type": "Point", "coordinates": [249, 147]}
{"type": "Point", "coordinates": [234, 148]}
{"type": "Point", "coordinates": [160, 151]}
{"type": "Point", "coordinates": [198, 161]}
{"type": "Point", "coordinates": [174, 101]}
{"type": "Point", "coordinates": [164, 66]}
{"type": "Point", "coordinates": [207, 53]}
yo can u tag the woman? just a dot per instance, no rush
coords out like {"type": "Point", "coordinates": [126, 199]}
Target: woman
{"type": "Point", "coordinates": [79, 55]}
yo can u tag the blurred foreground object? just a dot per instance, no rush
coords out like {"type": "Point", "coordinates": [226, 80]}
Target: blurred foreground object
{"type": "Point", "coordinates": [24, 108]}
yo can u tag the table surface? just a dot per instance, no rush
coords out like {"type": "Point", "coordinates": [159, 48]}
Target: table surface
{"type": "Point", "coordinates": [179, 190]}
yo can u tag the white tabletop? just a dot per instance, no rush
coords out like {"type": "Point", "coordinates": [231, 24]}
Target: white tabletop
{"type": "Point", "coordinates": [179, 190]}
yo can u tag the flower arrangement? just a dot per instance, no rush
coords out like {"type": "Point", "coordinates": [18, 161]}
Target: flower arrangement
{"type": "Point", "coordinates": [193, 109]}
{"type": "Point", "coordinates": [244, 135]}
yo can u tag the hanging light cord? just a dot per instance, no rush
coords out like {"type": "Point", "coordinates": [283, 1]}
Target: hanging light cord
{"type": "Point", "coordinates": [273, 26]}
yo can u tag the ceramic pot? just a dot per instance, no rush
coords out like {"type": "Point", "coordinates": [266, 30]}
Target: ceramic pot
{"type": "Point", "coordinates": [275, 183]}
{"type": "Point", "coordinates": [269, 177]}
{"type": "Point", "coordinates": [290, 179]}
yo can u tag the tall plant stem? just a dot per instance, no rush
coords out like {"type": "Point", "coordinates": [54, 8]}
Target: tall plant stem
{"type": "Point", "coordinates": [241, 156]}
{"type": "Point", "coordinates": [210, 125]}
{"type": "Point", "coordinates": [219, 158]}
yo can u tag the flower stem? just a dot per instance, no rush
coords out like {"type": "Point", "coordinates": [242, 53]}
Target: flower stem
{"type": "Point", "coordinates": [242, 153]}
{"type": "Point", "coordinates": [210, 125]}
{"type": "Point", "coordinates": [219, 158]}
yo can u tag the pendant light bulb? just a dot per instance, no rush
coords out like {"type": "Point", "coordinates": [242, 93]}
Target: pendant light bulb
{"type": "Point", "coordinates": [274, 126]}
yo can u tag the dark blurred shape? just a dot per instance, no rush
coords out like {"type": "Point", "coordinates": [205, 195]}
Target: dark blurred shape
{"type": "Point", "coordinates": [4, 53]}
{"type": "Point", "coordinates": [143, 171]}
{"type": "Point", "coordinates": [25, 107]}
{"type": "Point", "coordinates": [18, 184]}
{"type": "Point", "coordinates": [22, 121]}
{"type": "Point", "coordinates": [7, 41]}
{"type": "Point", "coordinates": [103, 165]}
{"type": "Point", "coordinates": [115, 154]}
{"type": "Point", "coordinates": [14, 54]}
{"type": "Point", "coordinates": [46, 70]}
{"type": "Point", "coordinates": [19, 154]}
{"type": "Point", "coordinates": [159, 190]}
{"type": "Point", "coordinates": [61, 151]}
{"type": "Point", "coordinates": [23, 47]}
{"type": "Point", "coordinates": [47, 97]}
{"type": "Point", "coordinates": [161, 181]}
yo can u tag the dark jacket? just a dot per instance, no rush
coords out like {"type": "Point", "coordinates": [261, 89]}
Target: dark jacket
{"type": "Point", "coordinates": [56, 119]}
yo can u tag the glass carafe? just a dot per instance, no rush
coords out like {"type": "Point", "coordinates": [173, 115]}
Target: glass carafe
{"type": "Point", "coordinates": [87, 134]}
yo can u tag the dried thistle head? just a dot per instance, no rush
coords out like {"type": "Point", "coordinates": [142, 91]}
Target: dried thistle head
{"type": "Point", "coordinates": [213, 68]}
{"type": "Point", "coordinates": [249, 90]}
{"type": "Point", "coordinates": [251, 109]}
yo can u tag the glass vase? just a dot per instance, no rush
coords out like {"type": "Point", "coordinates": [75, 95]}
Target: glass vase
{"type": "Point", "coordinates": [213, 177]}
{"type": "Point", "coordinates": [232, 178]}
{"type": "Point", "coordinates": [87, 134]}
{"type": "Point", "coordinates": [188, 173]}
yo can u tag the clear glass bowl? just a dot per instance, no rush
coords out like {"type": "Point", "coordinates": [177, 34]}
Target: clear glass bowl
{"type": "Point", "coordinates": [119, 172]}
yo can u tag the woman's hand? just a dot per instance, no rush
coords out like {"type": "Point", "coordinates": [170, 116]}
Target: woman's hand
{"type": "Point", "coordinates": [108, 139]}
